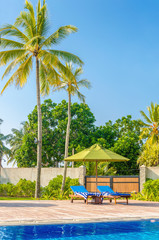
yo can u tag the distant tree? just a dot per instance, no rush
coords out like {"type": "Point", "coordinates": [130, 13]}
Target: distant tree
{"type": "Point", "coordinates": [150, 133]}
{"type": "Point", "coordinates": [15, 141]}
{"type": "Point", "coordinates": [127, 144]}
{"type": "Point", "coordinates": [4, 151]}
{"type": "Point", "coordinates": [105, 135]}
{"type": "Point", "coordinates": [54, 117]}
{"type": "Point", "coordinates": [150, 128]}
{"type": "Point", "coordinates": [121, 137]}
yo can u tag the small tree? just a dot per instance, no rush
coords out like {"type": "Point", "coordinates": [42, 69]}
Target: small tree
{"type": "Point", "coordinates": [150, 128]}
{"type": "Point", "coordinates": [150, 132]}
{"type": "Point", "coordinates": [71, 85]}
{"type": "Point", "coordinates": [4, 151]}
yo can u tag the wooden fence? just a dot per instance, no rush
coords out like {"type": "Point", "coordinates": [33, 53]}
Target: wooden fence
{"type": "Point", "coordinates": [123, 184]}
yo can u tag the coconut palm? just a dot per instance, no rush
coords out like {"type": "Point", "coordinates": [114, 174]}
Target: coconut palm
{"type": "Point", "coordinates": [29, 40]}
{"type": "Point", "coordinates": [71, 85]}
{"type": "Point", "coordinates": [151, 126]}
{"type": "Point", "coordinates": [15, 141]}
{"type": "Point", "coordinates": [4, 151]}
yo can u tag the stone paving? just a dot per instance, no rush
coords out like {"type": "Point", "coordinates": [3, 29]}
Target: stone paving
{"type": "Point", "coordinates": [42, 211]}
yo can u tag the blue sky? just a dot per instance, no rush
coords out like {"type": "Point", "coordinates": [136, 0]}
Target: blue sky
{"type": "Point", "coordinates": [118, 40]}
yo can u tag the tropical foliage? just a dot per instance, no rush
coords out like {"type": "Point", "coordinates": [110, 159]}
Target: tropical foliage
{"type": "Point", "coordinates": [150, 133]}
{"type": "Point", "coordinates": [151, 126]}
{"type": "Point", "coordinates": [4, 151]}
{"type": "Point", "coordinates": [149, 192]}
{"type": "Point", "coordinates": [149, 155]}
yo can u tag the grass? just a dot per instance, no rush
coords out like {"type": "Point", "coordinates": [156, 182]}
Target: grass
{"type": "Point", "coordinates": [16, 198]}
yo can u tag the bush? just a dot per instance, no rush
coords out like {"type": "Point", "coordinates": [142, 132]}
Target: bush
{"type": "Point", "coordinates": [8, 189]}
{"type": "Point", "coordinates": [53, 189]}
{"type": "Point", "coordinates": [26, 188]}
{"type": "Point", "coordinates": [150, 191]}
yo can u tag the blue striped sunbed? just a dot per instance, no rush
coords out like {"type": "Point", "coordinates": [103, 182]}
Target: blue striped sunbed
{"type": "Point", "coordinates": [81, 191]}
{"type": "Point", "coordinates": [107, 192]}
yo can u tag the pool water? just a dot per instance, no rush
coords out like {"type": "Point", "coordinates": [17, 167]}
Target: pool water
{"type": "Point", "coordinates": [127, 230]}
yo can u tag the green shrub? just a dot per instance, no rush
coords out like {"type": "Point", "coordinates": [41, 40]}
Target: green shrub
{"type": "Point", "coordinates": [70, 182]}
{"type": "Point", "coordinates": [150, 191]}
{"type": "Point", "coordinates": [25, 188]}
{"type": "Point", "coordinates": [53, 189]}
{"type": "Point", "coordinates": [7, 189]}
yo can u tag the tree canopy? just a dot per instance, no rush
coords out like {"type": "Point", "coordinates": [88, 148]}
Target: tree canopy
{"type": "Point", "coordinates": [122, 137]}
{"type": "Point", "coordinates": [54, 118]}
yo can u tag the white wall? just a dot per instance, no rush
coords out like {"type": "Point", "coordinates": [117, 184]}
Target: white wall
{"type": "Point", "coordinates": [148, 172]}
{"type": "Point", "coordinates": [13, 175]}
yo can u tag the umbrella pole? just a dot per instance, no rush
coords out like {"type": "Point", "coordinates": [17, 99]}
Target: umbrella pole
{"type": "Point", "coordinates": [96, 176]}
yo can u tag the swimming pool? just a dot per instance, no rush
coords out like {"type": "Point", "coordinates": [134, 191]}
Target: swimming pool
{"type": "Point", "coordinates": [127, 230]}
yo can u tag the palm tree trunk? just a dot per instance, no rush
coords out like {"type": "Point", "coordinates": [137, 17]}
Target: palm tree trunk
{"type": "Point", "coordinates": [67, 140]}
{"type": "Point", "coordinates": [39, 143]}
{"type": "Point", "coordinates": [0, 169]}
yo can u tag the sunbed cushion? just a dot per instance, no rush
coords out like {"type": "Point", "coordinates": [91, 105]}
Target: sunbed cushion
{"type": "Point", "coordinates": [82, 191]}
{"type": "Point", "coordinates": [106, 191]}
{"type": "Point", "coordinates": [79, 189]}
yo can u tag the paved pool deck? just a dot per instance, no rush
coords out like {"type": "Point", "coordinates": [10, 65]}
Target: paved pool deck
{"type": "Point", "coordinates": [43, 212]}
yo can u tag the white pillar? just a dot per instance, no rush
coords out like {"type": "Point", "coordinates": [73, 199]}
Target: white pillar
{"type": "Point", "coordinates": [82, 174]}
{"type": "Point", "coordinates": [142, 176]}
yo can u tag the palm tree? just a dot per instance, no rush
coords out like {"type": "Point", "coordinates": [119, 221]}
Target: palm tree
{"type": "Point", "coordinates": [151, 127]}
{"type": "Point", "coordinates": [4, 151]}
{"type": "Point", "coordinates": [15, 140]}
{"type": "Point", "coordinates": [32, 43]}
{"type": "Point", "coordinates": [71, 85]}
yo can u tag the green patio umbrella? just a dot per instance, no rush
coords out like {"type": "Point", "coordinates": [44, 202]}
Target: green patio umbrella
{"type": "Point", "coordinates": [96, 153]}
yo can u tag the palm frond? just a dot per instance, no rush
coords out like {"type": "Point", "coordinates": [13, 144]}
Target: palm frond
{"type": "Point", "coordinates": [66, 56]}
{"type": "Point", "coordinates": [9, 55]}
{"type": "Point", "coordinates": [33, 41]}
{"type": "Point", "coordinates": [25, 21]}
{"type": "Point", "coordinates": [42, 20]}
{"type": "Point", "coordinates": [14, 63]}
{"type": "Point", "coordinates": [48, 78]}
{"type": "Point", "coordinates": [11, 30]}
{"type": "Point", "coordinates": [30, 8]}
{"type": "Point", "coordinates": [21, 74]}
{"type": "Point", "coordinates": [80, 96]}
{"type": "Point", "coordinates": [59, 88]}
{"type": "Point", "coordinates": [84, 83]}
{"type": "Point", "coordinates": [7, 43]}
{"type": "Point", "coordinates": [145, 117]}
{"type": "Point", "coordinates": [49, 58]}
{"type": "Point", "coordinates": [59, 35]}
{"type": "Point", "coordinates": [78, 72]}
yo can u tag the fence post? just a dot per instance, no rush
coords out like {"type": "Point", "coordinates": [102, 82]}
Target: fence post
{"type": "Point", "coordinates": [111, 182]}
